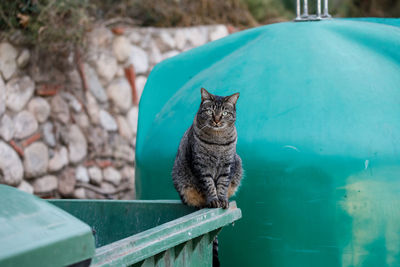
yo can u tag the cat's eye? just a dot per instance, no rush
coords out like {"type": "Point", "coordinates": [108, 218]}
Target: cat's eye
{"type": "Point", "coordinates": [209, 112]}
{"type": "Point", "coordinates": [224, 113]}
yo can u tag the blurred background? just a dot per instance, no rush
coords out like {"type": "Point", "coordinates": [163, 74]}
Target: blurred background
{"type": "Point", "coordinates": [72, 73]}
{"type": "Point", "coordinates": [66, 20]}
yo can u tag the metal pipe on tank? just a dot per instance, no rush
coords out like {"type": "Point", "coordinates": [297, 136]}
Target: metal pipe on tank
{"type": "Point", "coordinates": [305, 9]}
{"type": "Point", "coordinates": [326, 12]}
{"type": "Point", "coordinates": [318, 9]}
{"type": "Point", "coordinates": [297, 9]}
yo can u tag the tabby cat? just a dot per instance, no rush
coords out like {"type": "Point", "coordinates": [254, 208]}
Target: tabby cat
{"type": "Point", "coordinates": [207, 170]}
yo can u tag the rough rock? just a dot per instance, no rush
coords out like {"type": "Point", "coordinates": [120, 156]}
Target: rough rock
{"type": "Point", "coordinates": [219, 32]}
{"type": "Point", "coordinates": [132, 117]}
{"type": "Point", "coordinates": [45, 184]}
{"type": "Point", "coordinates": [124, 152]}
{"type": "Point", "coordinates": [80, 193]}
{"type": "Point", "coordinates": [11, 170]}
{"type": "Point", "coordinates": [94, 84]}
{"type": "Point", "coordinates": [139, 59]}
{"type": "Point", "coordinates": [92, 108]}
{"type": "Point", "coordinates": [123, 127]}
{"type": "Point", "coordinates": [48, 134]}
{"type": "Point", "coordinates": [77, 145]}
{"type": "Point", "coordinates": [66, 182]}
{"type": "Point", "coordinates": [112, 175]}
{"type": "Point", "coordinates": [18, 93]}
{"type": "Point", "coordinates": [107, 188]}
{"type": "Point", "coordinates": [60, 109]}
{"type": "Point", "coordinates": [106, 67]}
{"type": "Point", "coordinates": [39, 107]}
{"type": "Point", "coordinates": [107, 121]}
{"type": "Point", "coordinates": [147, 38]}
{"type": "Point", "coordinates": [120, 72]}
{"type": "Point", "coordinates": [82, 120]}
{"type": "Point", "coordinates": [135, 37]}
{"type": "Point", "coordinates": [133, 142]}
{"type": "Point", "coordinates": [128, 173]}
{"type": "Point", "coordinates": [120, 93]}
{"type": "Point", "coordinates": [74, 80]}
{"type": "Point", "coordinates": [23, 58]}
{"type": "Point", "coordinates": [180, 38]}
{"type": "Point", "coordinates": [36, 159]}
{"type": "Point", "coordinates": [2, 97]}
{"type": "Point", "coordinates": [26, 187]}
{"type": "Point", "coordinates": [121, 48]}
{"type": "Point", "coordinates": [6, 128]}
{"type": "Point", "coordinates": [25, 124]}
{"type": "Point", "coordinates": [170, 54]}
{"type": "Point", "coordinates": [61, 132]}
{"type": "Point", "coordinates": [99, 142]}
{"type": "Point", "coordinates": [82, 174]}
{"type": "Point", "coordinates": [165, 41]}
{"type": "Point", "coordinates": [72, 101]}
{"type": "Point", "coordinates": [155, 55]}
{"type": "Point", "coordinates": [8, 65]}
{"type": "Point", "coordinates": [93, 195]}
{"type": "Point", "coordinates": [59, 160]}
{"type": "Point", "coordinates": [95, 175]}
{"type": "Point", "coordinates": [140, 83]}
{"type": "Point", "coordinates": [197, 36]}
{"type": "Point", "coordinates": [100, 37]}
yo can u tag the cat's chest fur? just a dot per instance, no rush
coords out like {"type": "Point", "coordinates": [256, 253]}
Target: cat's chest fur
{"type": "Point", "coordinates": [217, 154]}
{"type": "Point", "coordinates": [212, 158]}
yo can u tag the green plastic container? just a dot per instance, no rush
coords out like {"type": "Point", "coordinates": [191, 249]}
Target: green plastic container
{"type": "Point", "coordinates": [35, 233]}
{"type": "Point", "coordinates": [150, 233]}
{"type": "Point", "coordinates": [318, 123]}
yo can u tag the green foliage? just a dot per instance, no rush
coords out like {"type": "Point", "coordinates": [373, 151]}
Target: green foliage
{"type": "Point", "coordinates": [366, 8]}
{"type": "Point", "coordinates": [50, 24]}
{"type": "Point", "coordinates": [61, 24]}
{"type": "Point", "coordinates": [265, 11]}
{"type": "Point", "coordinates": [171, 13]}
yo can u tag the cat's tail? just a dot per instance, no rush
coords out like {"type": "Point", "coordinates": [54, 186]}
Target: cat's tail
{"type": "Point", "coordinates": [215, 253]}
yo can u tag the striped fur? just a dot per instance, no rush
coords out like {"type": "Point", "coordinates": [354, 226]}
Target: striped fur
{"type": "Point", "coordinates": [207, 169]}
{"type": "Point", "coordinates": [216, 262]}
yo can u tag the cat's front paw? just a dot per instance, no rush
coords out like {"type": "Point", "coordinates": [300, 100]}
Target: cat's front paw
{"type": "Point", "coordinates": [224, 203]}
{"type": "Point", "coordinates": [214, 203]}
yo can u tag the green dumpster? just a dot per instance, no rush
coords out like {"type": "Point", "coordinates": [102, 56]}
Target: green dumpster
{"type": "Point", "coordinates": [34, 232]}
{"type": "Point", "coordinates": [318, 123]}
{"type": "Point", "coordinates": [150, 233]}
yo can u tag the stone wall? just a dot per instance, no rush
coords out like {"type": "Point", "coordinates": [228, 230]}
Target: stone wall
{"type": "Point", "coordinates": [71, 132]}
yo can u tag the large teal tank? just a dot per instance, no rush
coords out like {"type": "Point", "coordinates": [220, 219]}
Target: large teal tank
{"type": "Point", "coordinates": [319, 134]}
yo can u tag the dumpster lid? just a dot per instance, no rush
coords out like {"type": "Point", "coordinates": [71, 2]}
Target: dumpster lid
{"type": "Point", "coordinates": [33, 232]}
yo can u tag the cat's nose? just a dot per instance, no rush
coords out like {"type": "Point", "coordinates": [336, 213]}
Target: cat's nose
{"type": "Point", "coordinates": [217, 119]}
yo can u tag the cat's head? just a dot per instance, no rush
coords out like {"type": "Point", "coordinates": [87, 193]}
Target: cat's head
{"type": "Point", "coordinates": [216, 112]}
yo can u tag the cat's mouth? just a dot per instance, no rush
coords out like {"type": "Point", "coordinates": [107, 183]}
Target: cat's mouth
{"type": "Point", "coordinates": [217, 124]}
{"type": "Point", "coordinates": [218, 127]}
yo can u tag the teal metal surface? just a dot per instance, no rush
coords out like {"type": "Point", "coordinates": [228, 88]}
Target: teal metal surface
{"type": "Point", "coordinates": [319, 135]}
{"type": "Point", "coordinates": [113, 220]}
{"type": "Point", "coordinates": [35, 233]}
{"type": "Point", "coordinates": [150, 233]}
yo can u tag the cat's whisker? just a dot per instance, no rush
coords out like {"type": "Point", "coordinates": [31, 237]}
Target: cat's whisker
{"type": "Point", "coordinates": [203, 127]}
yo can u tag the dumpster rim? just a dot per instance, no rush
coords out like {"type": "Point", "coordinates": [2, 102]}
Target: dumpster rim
{"type": "Point", "coordinates": [123, 252]}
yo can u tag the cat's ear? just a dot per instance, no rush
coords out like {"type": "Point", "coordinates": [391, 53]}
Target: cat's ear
{"type": "Point", "coordinates": [232, 98]}
{"type": "Point", "coordinates": [205, 95]}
